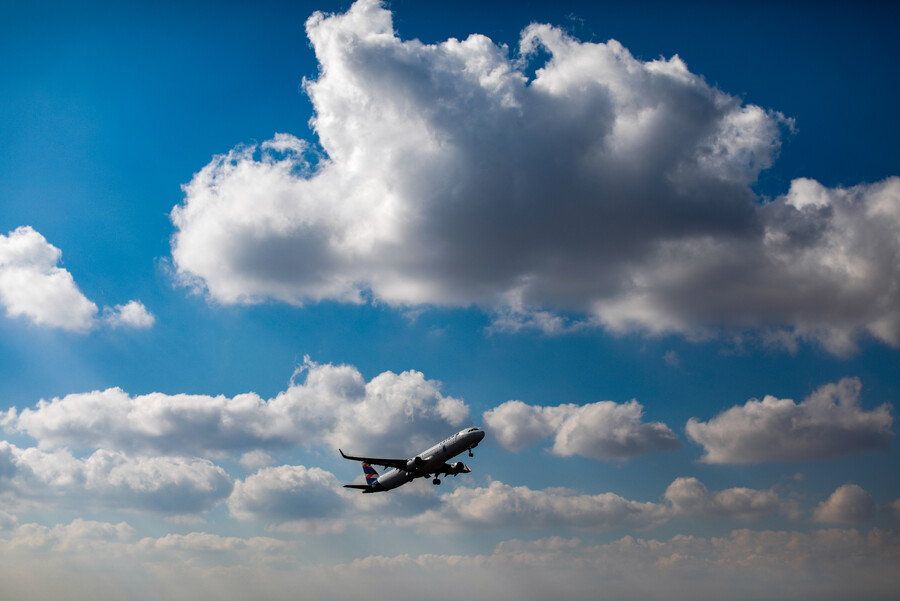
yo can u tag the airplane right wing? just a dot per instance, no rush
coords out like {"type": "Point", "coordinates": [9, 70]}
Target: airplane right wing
{"type": "Point", "coordinates": [397, 463]}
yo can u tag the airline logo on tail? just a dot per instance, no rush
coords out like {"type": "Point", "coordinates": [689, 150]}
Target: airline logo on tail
{"type": "Point", "coordinates": [371, 474]}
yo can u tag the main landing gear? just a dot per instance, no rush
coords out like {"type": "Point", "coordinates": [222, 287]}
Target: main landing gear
{"type": "Point", "coordinates": [436, 481]}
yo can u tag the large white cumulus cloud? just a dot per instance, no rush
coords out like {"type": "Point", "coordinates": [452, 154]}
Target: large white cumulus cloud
{"type": "Point", "coordinates": [606, 186]}
{"type": "Point", "coordinates": [829, 423]}
{"type": "Point", "coordinates": [395, 414]}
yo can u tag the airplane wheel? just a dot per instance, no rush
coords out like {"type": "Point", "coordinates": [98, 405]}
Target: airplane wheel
{"type": "Point", "coordinates": [470, 453]}
{"type": "Point", "coordinates": [436, 481]}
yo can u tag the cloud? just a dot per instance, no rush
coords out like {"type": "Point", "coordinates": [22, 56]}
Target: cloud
{"type": "Point", "coordinates": [500, 505]}
{"type": "Point", "coordinates": [393, 414]}
{"type": "Point", "coordinates": [672, 359]}
{"type": "Point", "coordinates": [821, 268]}
{"type": "Point", "coordinates": [255, 459]}
{"type": "Point", "coordinates": [745, 564]}
{"type": "Point", "coordinates": [690, 496]}
{"type": "Point", "coordinates": [104, 561]}
{"type": "Point", "coordinates": [78, 536]}
{"type": "Point", "coordinates": [131, 315]}
{"type": "Point", "coordinates": [32, 285]}
{"type": "Point", "coordinates": [607, 187]}
{"type": "Point", "coordinates": [110, 479]}
{"type": "Point", "coordinates": [848, 504]}
{"type": "Point", "coordinates": [602, 430]}
{"type": "Point", "coordinates": [288, 492]}
{"type": "Point", "coordinates": [7, 521]}
{"type": "Point", "coordinates": [829, 423]}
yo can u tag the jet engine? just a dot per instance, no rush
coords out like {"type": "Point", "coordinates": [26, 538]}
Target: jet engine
{"type": "Point", "coordinates": [414, 464]}
{"type": "Point", "coordinates": [460, 468]}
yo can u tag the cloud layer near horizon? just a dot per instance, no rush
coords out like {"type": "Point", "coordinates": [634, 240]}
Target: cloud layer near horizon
{"type": "Point", "coordinates": [102, 559]}
{"type": "Point", "coordinates": [606, 186]}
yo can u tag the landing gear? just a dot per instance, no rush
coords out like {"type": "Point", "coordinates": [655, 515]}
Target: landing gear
{"type": "Point", "coordinates": [471, 454]}
{"type": "Point", "coordinates": [436, 481]}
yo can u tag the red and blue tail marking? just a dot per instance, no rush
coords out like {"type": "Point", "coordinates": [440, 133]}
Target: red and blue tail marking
{"type": "Point", "coordinates": [371, 474]}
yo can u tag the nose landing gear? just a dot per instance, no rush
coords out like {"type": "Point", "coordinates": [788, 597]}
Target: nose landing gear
{"type": "Point", "coordinates": [436, 481]}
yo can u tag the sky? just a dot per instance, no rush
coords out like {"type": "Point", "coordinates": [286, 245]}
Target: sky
{"type": "Point", "coordinates": [652, 250]}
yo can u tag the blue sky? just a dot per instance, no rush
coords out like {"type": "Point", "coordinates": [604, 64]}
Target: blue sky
{"type": "Point", "coordinates": [652, 250]}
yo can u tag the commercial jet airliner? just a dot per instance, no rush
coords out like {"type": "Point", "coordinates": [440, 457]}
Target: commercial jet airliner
{"type": "Point", "coordinates": [432, 461]}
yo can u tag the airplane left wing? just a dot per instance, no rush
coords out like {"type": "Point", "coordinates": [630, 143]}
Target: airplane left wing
{"type": "Point", "coordinates": [397, 463]}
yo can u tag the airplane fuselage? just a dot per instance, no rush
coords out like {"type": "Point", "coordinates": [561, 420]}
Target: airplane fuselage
{"type": "Point", "coordinates": [430, 461]}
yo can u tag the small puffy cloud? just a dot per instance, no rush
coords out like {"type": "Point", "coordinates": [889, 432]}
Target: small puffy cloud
{"type": "Point", "coordinates": [672, 359]}
{"type": "Point", "coordinates": [848, 504]}
{"type": "Point", "coordinates": [828, 423]}
{"type": "Point", "coordinates": [500, 506]}
{"type": "Point", "coordinates": [894, 508]}
{"type": "Point", "coordinates": [288, 493]}
{"type": "Point", "coordinates": [255, 459]}
{"type": "Point", "coordinates": [110, 479]}
{"type": "Point", "coordinates": [34, 286]}
{"type": "Point", "coordinates": [602, 430]}
{"type": "Point", "coordinates": [394, 414]}
{"type": "Point", "coordinates": [133, 314]}
{"type": "Point", "coordinates": [690, 496]}
{"type": "Point", "coordinates": [606, 187]}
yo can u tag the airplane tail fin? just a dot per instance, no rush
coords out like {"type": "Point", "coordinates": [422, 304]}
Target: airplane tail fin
{"type": "Point", "coordinates": [371, 474]}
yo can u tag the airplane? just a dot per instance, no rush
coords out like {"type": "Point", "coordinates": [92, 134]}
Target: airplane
{"type": "Point", "coordinates": [431, 461]}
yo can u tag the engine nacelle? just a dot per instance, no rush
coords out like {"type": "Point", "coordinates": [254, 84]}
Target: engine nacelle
{"type": "Point", "coordinates": [414, 463]}
{"type": "Point", "coordinates": [460, 468]}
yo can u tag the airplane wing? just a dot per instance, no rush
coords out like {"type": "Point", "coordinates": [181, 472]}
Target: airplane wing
{"type": "Point", "coordinates": [397, 463]}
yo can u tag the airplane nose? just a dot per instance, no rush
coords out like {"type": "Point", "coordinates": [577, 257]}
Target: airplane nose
{"type": "Point", "coordinates": [480, 435]}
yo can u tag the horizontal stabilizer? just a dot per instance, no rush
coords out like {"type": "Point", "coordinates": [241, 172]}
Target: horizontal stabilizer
{"type": "Point", "coordinates": [359, 486]}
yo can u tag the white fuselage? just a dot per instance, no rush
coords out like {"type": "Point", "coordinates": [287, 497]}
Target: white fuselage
{"type": "Point", "coordinates": [433, 459]}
